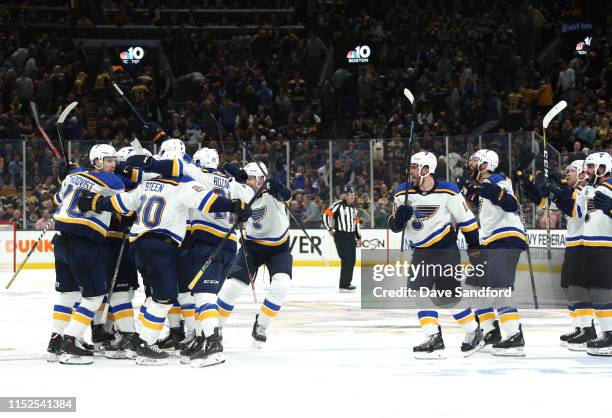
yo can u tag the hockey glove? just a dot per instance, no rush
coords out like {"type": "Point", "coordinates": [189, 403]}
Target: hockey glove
{"type": "Point", "coordinates": [153, 132]}
{"type": "Point", "coordinates": [403, 214]}
{"type": "Point", "coordinates": [142, 161]}
{"type": "Point", "coordinates": [603, 202]}
{"type": "Point", "coordinates": [87, 201]}
{"type": "Point", "coordinates": [551, 190]}
{"type": "Point", "coordinates": [476, 256]}
{"type": "Point", "coordinates": [241, 210]}
{"type": "Point", "coordinates": [123, 169]}
{"type": "Point", "coordinates": [467, 188]}
{"type": "Point", "coordinates": [278, 190]}
{"type": "Point", "coordinates": [490, 191]}
{"type": "Point", "coordinates": [234, 170]}
{"type": "Point", "coordinates": [65, 170]}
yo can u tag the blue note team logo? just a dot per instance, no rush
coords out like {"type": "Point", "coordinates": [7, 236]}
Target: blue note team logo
{"type": "Point", "coordinates": [359, 54]}
{"type": "Point", "coordinates": [132, 55]}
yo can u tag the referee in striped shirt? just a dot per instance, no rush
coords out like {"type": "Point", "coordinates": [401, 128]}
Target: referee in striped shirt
{"type": "Point", "coordinates": [342, 221]}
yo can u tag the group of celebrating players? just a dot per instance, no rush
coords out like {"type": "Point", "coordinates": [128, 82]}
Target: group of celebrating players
{"type": "Point", "coordinates": [175, 210]}
{"type": "Point", "coordinates": [432, 211]}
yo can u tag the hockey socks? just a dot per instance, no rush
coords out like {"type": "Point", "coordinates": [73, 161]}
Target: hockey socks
{"type": "Point", "coordinates": [486, 317]}
{"type": "Point", "coordinates": [153, 318]}
{"type": "Point", "coordinates": [62, 311]}
{"type": "Point", "coordinates": [207, 314]}
{"type": "Point", "coordinates": [429, 322]}
{"type": "Point", "coordinates": [508, 321]}
{"type": "Point", "coordinates": [122, 312]}
{"type": "Point", "coordinates": [227, 298]}
{"type": "Point", "coordinates": [187, 304]}
{"type": "Point", "coordinates": [274, 300]}
{"type": "Point", "coordinates": [82, 316]}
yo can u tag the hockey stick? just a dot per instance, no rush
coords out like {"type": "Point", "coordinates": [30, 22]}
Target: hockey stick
{"type": "Point", "coordinates": [521, 167]}
{"type": "Point", "coordinates": [129, 103]}
{"type": "Point", "coordinates": [60, 126]}
{"type": "Point", "coordinates": [42, 130]}
{"type": "Point", "coordinates": [219, 131]}
{"type": "Point", "coordinates": [10, 282]}
{"type": "Point", "coordinates": [256, 196]}
{"type": "Point", "coordinates": [246, 261]}
{"type": "Point", "coordinates": [410, 98]}
{"type": "Point", "coordinates": [291, 214]}
{"type": "Point", "coordinates": [114, 279]}
{"type": "Point", "coordinates": [547, 119]}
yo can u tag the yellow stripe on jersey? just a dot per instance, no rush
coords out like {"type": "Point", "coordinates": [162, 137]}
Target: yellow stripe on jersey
{"type": "Point", "coordinates": [505, 234]}
{"type": "Point", "coordinates": [465, 320]}
{"type": "Point", "coordinates": [589, 243]}
{"type": "Point", "coordinates": [437, 238]}
{"type": "Point", "coordinates": [175, 168]}
{"type": "Point", "coordinates": [92, 178]}
{"type": "Point", "coordinates": [428, 321]}
{"type": "Point", "coordinates": [82, 221]}
{"type": "Point", "coordinates": [172, 182]}
{"type": "Point", "coordinates": [542, 203]}
{"type": "Point", "coordinates": [486, 316]}
{"type": "Point", "coordinates": [576, 243]}
{"type": "Point", "coordinates": [211, 230]}
{"type": "Point", "coordinates": [134, 175]}
{"type": "Point", "coordinates": [213, 197]}
{"type": "Point", "coordinates": [445, 191]}
{"type": "Point", "coordinates": [469, 228]}
{"type": "Point", "coordinates": [58, 316]}
{"type": "Point", "coordinates": [272, 243]}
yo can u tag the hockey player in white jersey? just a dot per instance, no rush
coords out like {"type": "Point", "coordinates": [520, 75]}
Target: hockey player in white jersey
{"type": "Point", "coordinates": [162, 207]}
{"type": "Point", "coordinates": [503, 236]}
{"type": "Point", "coordinates": [436, 210]}
{"type": "Point", "coordinates": [597, 241]}
{"type": "Point", "coordinates": [207, 231]}
{"type": "Point", "coordinates": [267, 242]}
{"type": "Point", "coordinates": [82, 273]}
{"type": "Point", "coordinates": [569, 198]}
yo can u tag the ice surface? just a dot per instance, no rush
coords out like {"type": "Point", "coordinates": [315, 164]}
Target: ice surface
{"type": "Point", "coordinates": [325, 357]}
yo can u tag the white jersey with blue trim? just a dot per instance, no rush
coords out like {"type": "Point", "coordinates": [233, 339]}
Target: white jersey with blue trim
{"type": "Point", "coordinates": [575, 223]}
{"type": "Point", "coordinates": [496, 223]}
{"type": "Point", "coordinates": [70, 219]}
{"type": "Point", "coordinates": [268, 225]}
{"type": "Point", "coordinates": [212, 227]}
{"type": "Point", "coordinates": [597, 230]}
{"type": "Point", "coordinates": [437, 213]}
{"type": "Point", "coordinates": [163, 206]}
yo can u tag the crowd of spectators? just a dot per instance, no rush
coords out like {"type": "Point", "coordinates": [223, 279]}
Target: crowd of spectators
{"type": "Point", "coordinates": [467, 64]}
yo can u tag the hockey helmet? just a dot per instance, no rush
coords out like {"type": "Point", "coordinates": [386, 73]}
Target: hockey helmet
{"type": "Point", "coordinates": [206, 157]}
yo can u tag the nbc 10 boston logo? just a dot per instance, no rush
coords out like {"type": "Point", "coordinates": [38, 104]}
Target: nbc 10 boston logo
{"type": "Point", "coordinates": [132, 55]}
{"type": "Point", "coordinates": [359, 54]}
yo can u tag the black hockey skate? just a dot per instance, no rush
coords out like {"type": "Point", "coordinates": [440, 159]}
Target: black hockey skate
{"type": "Point", "coordinates": [186, 342]}
{"type": "Point", "coordinates": [431, 348]}
{"type": "Point", "coordinates": [122, 347]}
{"type": "Point", "coordinates": [472, 342]}
{"type": "Point", "coordinates": [569, 335]}
{"type": "Point", "coordinates": [492, 337]}
{"type": "Point", "coordinates": [99, 336]}
{"type": "Point", "coordinates": [149, 355]}
{"type": "Point", "coordinates": [601, 346]}
{"type": "Point", "coordinates": [54, 348]}
{"type": "Point", "coordinates": [578, 343]}
{"type": "Point", "coordinates": [212, 353]}
{"type": "Point", "coordinates": [73, 353]}
{"type": "Point", "coordinates": [172, 340]}
{"type": "Point", "coordinates": [258, 334]}
{"type": "Point", "coordinates": [513, 346]}
{"type": "Point", "coordinates": [196, 345]}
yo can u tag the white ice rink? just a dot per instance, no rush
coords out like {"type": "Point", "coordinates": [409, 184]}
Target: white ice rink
{"type": "Point", "coordinates": [325, 357]}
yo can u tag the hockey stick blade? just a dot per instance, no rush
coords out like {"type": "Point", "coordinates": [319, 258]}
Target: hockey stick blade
{"type": "Point", "coordinates": [409, 96]}
{"type": "Point", "coordinates": [137, 146]}
{"type": "Point", "coordinates": [553, 112]}
{"type": "Point", "coordinates": [42, 130]}
{"type": "Point", "coordinates": [66, 112]}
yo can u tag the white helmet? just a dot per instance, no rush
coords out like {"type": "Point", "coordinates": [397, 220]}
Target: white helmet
{"type": "Point", "coordinates": [174, 146]}
{"type": "Point", "coordinates": [424, 158]}
{"type": "Point", "coordinates": [252, 169]}
{"type": "Point", "coordinates": [99, 152]}
{"type": "Point", "coordinates": [206, 157]}
{"type": "Point", "coordinates": [486, 156]}
{"type": "Point", "coordinates": [598, 159]}
{"type": "Point", "coordinates": [126, 152]}
{"type": "Point", "coordinates": [577, 165]}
